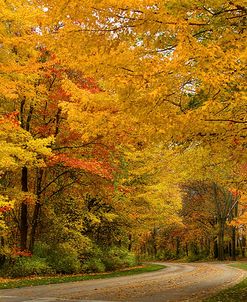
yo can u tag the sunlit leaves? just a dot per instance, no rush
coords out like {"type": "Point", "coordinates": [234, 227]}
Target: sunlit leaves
{"type": "Point", "coordinates": [126, 98]}
{"type": "Point", "coordinates": [5, 205]}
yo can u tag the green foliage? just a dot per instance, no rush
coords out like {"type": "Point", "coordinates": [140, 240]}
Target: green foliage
{"type": "Point", "coordinates": [166, 254]}
{"type": "Point", "coordinates": [41, 249]}
{"type": "Point", "coordinates": [114, 258]}
{"type": "Point", "coordinates": [101, 222]}
{"type": "Point", "coordinates": [117, 258]}
{"type": "Point", "coordinates": [27, 266]}
{"type": "Point", "coordinates": [62, 279]}
{"type": "Point", "coordinates": [192, 257]}
{"type": "Point", "coordinates": [94, 251]}
{"type": "Point", "coordinates": [64, 259]}
{"type": "Point", "coordinates": [196, 100]}
{"type": "Point", "coordinates": [93, 265]}
{"type": "Point", "coordinates": [5, 253]}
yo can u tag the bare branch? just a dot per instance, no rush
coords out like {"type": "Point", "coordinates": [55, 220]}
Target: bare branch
{"type": "Point", "coordinates": [52, 181]}
{"type": "Point", "coordinates": [226, 120]}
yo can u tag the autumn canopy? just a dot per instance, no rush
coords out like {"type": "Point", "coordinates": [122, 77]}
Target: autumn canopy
{"type": "Point", "coordinates": [122, 123]}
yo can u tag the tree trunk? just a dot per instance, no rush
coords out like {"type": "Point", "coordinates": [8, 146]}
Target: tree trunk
{"type": "Point", "coordinates": [37, 208]}
{"type": "Point", "coordinates": [24, 211]}
{"type": "Point", "coordinates": [154, 240]}
{"type": "Point", "coordinates": [221, 243]}
{"type": "Point", "coordinates": [24, 180]}
{"type": "Point", "coordinates": [230, 248]}
{"type": "Point", "coordinates": [242, 244]}
{"type": "Point", "coordinates": [35, 220]}
{"type": "Point", "coordinates": [186, 249]}
{"type": "Point", "coordinates": [208, 247]}
{"type": "Point", "coordinates": [177, 246]}
{"type": "Point", "coordinates": [233, 243]}
{"type": "Point", "coordinates": [216, 250]}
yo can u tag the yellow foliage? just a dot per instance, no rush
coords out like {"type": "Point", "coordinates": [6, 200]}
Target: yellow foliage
{"type": "Point", "coordinates": [170, 91]}
{"type": "Point", "coordinates": [5, 205]}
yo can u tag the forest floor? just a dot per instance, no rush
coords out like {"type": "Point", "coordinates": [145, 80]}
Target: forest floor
{"type": "Point", "coordinates": [178, 282]}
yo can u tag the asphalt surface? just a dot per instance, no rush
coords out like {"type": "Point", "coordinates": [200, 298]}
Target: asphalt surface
{"type": "Point", "coordinates": [177, 282]}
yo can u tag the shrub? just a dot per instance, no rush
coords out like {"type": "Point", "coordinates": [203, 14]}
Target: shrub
{"type": "Point", "coordinates": [5, 255]}
{"type": "Point", "coordinates": [193, 257]}
{"type": "Point", "coordinates": [41, 249]}
{"type": "Point", "coordinates": [165, 255]}
{"type": "Point", "coordinates": [64, 259]}
{"type": "Point", "coordinates": [93, 265]}
{"type": "Point", "coordinates": [93, 252]}
{"type": "Point", "coordinates": [116, 258]}
{"type": "Point", "coordinates": [27, 266]}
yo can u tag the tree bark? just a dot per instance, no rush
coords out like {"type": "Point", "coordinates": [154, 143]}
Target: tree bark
{"type": "Point", "coordinates": [216, 250]}
{"type": "Point", "coordinates": [233, 243]}
{"type": "Point", "coordinates": [37, 209]}
{"type": "Point", "coordinates": [24, 211]}
{"type": "Point", "coordinates": [155, 241]}
{"type": "Point", "coordinates": [186, 249]}
{"type": "Point", "coordinates": [24, 181]}
{"type": "Point", "coordinates": [221, 255]}
{"type": "Point", "coordinates": [177, 246]}
{"type": "Point", "coordinates": [242, 245]}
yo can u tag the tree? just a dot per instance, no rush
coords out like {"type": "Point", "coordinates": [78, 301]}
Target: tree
{"type": "Point", "coordinates": [87, 85]}
{"type": "Point", "coordinates": [39, 124]}
{"type": "Point", "coordinates": [207, 210]}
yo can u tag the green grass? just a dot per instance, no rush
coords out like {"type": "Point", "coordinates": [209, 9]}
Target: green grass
{"type": "Point", "coordinates": [237, 293]}
{"type": "Point", "coordinates": [63, 278]}
{"type": "Point", "coordinates": [240, 265]}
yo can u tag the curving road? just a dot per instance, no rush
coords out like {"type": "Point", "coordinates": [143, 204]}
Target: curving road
{"type": "Point", "coordinates": [178, 282]}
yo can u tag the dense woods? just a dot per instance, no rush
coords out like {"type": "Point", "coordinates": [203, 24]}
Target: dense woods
{"type": "Point", "coordinates": [122, 133]}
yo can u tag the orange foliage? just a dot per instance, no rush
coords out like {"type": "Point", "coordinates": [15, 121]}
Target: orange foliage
{"type": "Point", "coordinates": [93, 166]}
{"type": "Point", "coordinates": [5, 208]}
{"type": "Point", "coordinates": [17, 252]}
{"type": "Point", "coordinates": [11, 118]}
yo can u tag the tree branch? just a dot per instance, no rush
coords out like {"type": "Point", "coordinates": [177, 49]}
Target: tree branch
{"type": "Point", "coordinates": [226, 120]}
{"type": "Point", "coordinates": [51, 182]}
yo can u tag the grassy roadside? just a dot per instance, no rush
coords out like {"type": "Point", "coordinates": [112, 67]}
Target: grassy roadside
{"type": "Point", "coordinates": [16, 283]}
{"type": "Point", "coordinates": [237, 293]}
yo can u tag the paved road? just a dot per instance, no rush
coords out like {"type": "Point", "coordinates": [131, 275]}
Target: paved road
{"type": "Point", "coordinates": [178, 282]}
